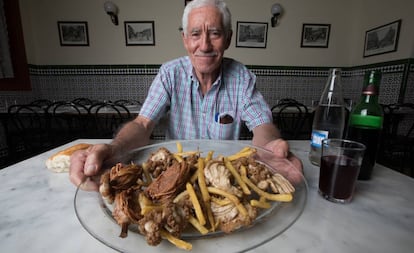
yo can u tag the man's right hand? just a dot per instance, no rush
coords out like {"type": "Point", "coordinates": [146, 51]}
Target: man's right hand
{"type": "Point", "coordinates": [87, 163]}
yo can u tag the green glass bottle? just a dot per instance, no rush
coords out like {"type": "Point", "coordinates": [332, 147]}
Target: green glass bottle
{"type": "Point", "coordinates": [365, 122]}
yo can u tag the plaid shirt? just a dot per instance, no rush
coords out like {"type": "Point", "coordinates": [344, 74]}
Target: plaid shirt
{"type": "Point", "coordinates": [175, 92]}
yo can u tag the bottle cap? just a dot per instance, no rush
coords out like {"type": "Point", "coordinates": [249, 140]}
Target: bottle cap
{"type": "Point", "coordinates": [370, 90]}
{"type": "Point", "coordinates": [371, 80]}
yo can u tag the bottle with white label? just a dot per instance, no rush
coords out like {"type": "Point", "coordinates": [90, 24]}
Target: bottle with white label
{"type": "Point", "coordinates": [329, 117]}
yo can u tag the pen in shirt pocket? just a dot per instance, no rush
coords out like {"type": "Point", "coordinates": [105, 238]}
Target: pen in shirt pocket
{"type": "Point", "coordinates": [223, 118]}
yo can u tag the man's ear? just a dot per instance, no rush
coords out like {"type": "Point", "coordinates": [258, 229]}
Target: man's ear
{"type": "Point", "coordinates": [184, 40]}
{"type": "Point", "coordinates": [228, 41]}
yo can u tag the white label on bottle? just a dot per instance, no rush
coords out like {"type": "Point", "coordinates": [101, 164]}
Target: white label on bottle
{"type": "Point", "coordinates": [317, 137]}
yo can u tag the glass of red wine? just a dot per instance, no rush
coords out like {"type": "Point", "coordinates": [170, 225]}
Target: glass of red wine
{"type": "Point", "coordinates": [339, 168]}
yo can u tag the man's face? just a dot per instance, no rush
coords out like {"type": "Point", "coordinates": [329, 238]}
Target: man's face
{"type": "Point", "coordinates": [205, 40]}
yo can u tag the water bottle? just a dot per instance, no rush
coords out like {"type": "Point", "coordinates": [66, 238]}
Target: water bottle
{"type": "Point", "coordinates": [365, 122]}
{"type": "Point", "coordinates": [329, 117]}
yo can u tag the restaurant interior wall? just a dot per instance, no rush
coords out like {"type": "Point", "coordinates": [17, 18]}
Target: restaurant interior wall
{"type": "Point", "coordinates": [349, 21]}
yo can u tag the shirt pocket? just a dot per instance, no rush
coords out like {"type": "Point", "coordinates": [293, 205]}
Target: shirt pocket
{"type": "Point", "coordinates": [226, 130]}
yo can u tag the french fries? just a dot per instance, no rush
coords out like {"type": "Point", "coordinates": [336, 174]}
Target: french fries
{"type": "Point", "coordinates": [196, 204]}
{"type": "Point", "coordinates": [203, 230]}
{"type": "Point", "coordinates": [220, 201]}
{"type": "Point", "coordinates": [245, 152]}
{"type": "Point", "coordinates": [148, 178]}
{"type": "Point", "coordinates": [231, 197]}
{"type": "Point", "coordinates": [147, 205]}
{"type": "Point", "coordinates": [236, 175]}
{"type": "Point", "coordinates": [176, 241]}
{"type": "Point", "coordinates": [260, 204]}
{"type": "Point", "coordinates": [179, 147]}
{"type": "Point", "coordinates": [188, 153]}
{"type": "Point", "coordinates": [209, 156]}
{"type": "Point", "coordinates": [287, 197]}
{"type": "Point", "coordinates": [180, 196]}
{"type": "Point", "coordinates": [202, 180]}
{"type": "Point", "coordinates": [203, 195]}
{"type": "Point", "coordinates": [204, 192]}
{"type": "Point", "coordinates": [178, 158]}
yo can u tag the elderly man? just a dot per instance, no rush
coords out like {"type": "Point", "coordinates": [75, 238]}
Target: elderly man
{"type": "Point", "coordinates": [207, 96]}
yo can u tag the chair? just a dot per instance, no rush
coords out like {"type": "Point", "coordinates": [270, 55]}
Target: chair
{"type": "Point", "coordinates": [68, 121]}
{"type": "Point", "coordinates": [41, 102]}
{"type": "Point", "coordinates": [287, 100]}
{"type": "Point", "coordinates": [291, 117]}
{"type": "Point", "coordinates": [397, 144]}
{"type": "Point", "coordinates": [27, 131]}
{"type": "Point", "coordinates": [245, 133]}
{"type": "Point", "coordinates": [108, 118]}
{"type": "Point", "coordinates": [127, 102]}
{"type": "Point", "coordinates": [82, 101]}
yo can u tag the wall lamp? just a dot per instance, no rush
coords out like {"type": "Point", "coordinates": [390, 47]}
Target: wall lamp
{"type": "Point", "coordinates": [112, 10]}
{"type": "Point", "coordinates": [276, 12]}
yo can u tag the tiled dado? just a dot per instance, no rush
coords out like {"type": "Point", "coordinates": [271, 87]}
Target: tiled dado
{"type": "Point", "coordinates": [306, 84]}
{"type": "Point", "coordinates": [112, 82]}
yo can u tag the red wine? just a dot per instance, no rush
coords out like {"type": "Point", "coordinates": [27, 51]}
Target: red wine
{"type": "Point", "coordinates": [337, 177]}
{"type": "Point", "coordinates": [370, 137]}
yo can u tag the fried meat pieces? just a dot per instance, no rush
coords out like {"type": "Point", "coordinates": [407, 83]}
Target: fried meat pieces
{"type": "Point", "coordinates": [153, 195]}
{"type": "Point", "coordinates": [123, 185]}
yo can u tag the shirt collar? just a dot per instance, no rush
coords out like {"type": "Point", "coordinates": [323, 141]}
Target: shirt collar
{"type": "Point", "coordinates": [193, 77]}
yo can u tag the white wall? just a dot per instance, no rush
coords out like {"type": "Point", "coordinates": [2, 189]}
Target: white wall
{"type": "Point", "coordinates": [349, 20]}
{"type": "Point", "coordinates": [373, 13]}
{"type": "Point", "coordinates": [283, 45]}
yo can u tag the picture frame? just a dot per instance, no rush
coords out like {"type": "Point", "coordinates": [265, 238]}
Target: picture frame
{"type": "Point", "coordinates": [251, 34]}
{"type": "Point", "coordinates": [139, 33]}
{"type": "Point", "coordinates": [315, 35]}
{"type": "Point", "coordinates": [73, 33]}
{"type": "Point", "coordinates": [382, 39]}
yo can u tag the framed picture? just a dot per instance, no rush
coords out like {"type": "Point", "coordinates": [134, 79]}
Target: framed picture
{"type": "Point", "coordinates": [251, 34]}
{"type": "Point", "coordinates": [73, 33]}
{"type": "Point", "coordinates": [315, 35]}
{"type": "Point", "coordinates": [186, 2]}
{"type": "Point", "coordinates": [139, 33]}
{"type": "Point", "coordinates": [382, 39]}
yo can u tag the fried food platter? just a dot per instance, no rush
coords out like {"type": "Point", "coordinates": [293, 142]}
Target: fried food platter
{"type": "Point", "coordinates": [94, 213]}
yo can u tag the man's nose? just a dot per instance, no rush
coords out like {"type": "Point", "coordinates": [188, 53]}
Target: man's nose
{"type": "Point", "coordinates": [205, 42]}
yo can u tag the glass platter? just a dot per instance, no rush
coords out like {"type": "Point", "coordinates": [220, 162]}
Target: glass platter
{"type": "Point", "coordinates": [95, 215]}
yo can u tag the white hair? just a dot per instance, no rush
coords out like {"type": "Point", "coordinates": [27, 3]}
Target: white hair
{"type": "Point", "coordinates": [219, 4]}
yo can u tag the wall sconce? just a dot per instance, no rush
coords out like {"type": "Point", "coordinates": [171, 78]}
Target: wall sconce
{"type": "Point", "coordinates": [112, 10]}
{"type": "Point", "coordinates": [276, 12]}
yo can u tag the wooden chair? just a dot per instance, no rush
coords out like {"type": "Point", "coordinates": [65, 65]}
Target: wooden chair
{"type": "Point", "coordinates": [291, 117]}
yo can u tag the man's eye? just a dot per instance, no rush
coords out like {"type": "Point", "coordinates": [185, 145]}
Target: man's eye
{"type": "Point", "coordinates": [215, 34]}
{"type": "Point", "coordinates": [195, 35]}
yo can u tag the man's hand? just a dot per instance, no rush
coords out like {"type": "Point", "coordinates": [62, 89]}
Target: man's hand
{"type": "Point", "coordinates": [267, 136]}
{"type": "Point", "coordinates": [87, 163]}
{"type": "Point", "coordinates": [280, 148]}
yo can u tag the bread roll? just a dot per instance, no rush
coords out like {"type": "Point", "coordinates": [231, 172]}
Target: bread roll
{"type": "Point", "coordinates": [60, 161]}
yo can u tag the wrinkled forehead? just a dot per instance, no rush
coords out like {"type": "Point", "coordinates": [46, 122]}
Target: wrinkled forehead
{"type": "Point", "coordinates": [205, 17]}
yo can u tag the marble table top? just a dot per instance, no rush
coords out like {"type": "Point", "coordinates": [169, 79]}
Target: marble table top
{"type": "Point", "coordinates": [37, 213]}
